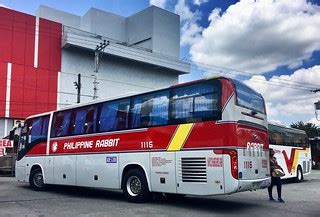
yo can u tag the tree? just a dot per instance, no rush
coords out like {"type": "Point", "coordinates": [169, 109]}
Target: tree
{"type": "Point", "coordinates": [310, 128]}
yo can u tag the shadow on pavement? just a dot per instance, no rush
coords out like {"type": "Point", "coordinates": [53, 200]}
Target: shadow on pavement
{"type": "Point", "coordinates": [188, 202]}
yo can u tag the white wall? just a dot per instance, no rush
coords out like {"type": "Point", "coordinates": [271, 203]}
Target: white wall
{"type": "Point", "coordinates": [116, 76]}
{"type": "Point", "coordinates": [59, 16]}
{"type": "Point", "coordinates": [105, 24]}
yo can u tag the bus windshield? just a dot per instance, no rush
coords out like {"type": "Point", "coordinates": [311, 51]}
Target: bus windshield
{"type": "Point", "coordinates": [248, 98]}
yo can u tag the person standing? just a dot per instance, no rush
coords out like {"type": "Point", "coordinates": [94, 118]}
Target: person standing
{"type": "Point", "coordinates": [275, 180]}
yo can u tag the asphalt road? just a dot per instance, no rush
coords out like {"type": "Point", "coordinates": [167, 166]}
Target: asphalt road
{"type": "Point", "coordinates": [17, 199]}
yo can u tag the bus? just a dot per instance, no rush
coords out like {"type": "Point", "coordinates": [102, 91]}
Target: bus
{"type": "Point", "coordinates": [292, 150]}
{"type": "Point", "coordinates": [204, 137]}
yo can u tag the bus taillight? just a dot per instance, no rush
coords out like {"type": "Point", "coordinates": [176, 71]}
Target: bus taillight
{"type": "Point", "coordinates": [233, 160]}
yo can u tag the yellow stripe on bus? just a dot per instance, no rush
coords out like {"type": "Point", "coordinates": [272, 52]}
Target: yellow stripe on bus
{"type": "Point", "coordinates": [296, 158]}
{"type": "Point", "coordinates": [180, 137]}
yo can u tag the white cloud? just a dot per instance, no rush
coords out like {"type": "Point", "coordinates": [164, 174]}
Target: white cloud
{"type": "Point", "coordinates": [258, 35]}
{"type": "Point", "coordinates": [185, 13]}
{"type": "Point", "coordinates": [158, 3]}
{"type": "Point", "coordinates": [190, 31]}
{"type": "Point", "coordinates": [289, 104]}
{"type": "Point", "coordinates": [199, 2]}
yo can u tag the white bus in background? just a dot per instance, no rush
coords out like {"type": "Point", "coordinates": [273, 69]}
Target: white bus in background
{"type": "Point", "coordinates": [292, 150]}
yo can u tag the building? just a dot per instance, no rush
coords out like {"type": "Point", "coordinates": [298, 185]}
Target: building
{"type": "Point", "coordinates": [41, 57]}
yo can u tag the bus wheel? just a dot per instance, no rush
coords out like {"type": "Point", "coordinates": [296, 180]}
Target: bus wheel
{"type": "Point", "coordinates": [135, 186]}
{"type": "Point", "coordinates": [36, 180]}
{"type": "Point", "coordinates": [299, 176]}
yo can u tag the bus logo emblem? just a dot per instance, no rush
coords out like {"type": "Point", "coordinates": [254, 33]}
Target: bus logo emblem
{"type": "Point", "coordinates": [54, 147]}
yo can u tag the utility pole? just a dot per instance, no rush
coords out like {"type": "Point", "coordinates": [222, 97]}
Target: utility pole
{"type": "Point", "coordinates": [78, 87]}
{"type": "Point", "coordinates": [97, 53]}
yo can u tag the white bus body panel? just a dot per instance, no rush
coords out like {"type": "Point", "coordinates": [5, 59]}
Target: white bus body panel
{"type": "Point", "coordinates": [214, 176]}
{"type": "Point", "coordinates": [300, 157]}
{"type": "Point", "coordinates": [20, 172]}
{"type": "Point", "coordinates": [139, 159]}
{"type": "Point", "coordinates": [64, 170]}
{"type": "Point", "coordinates": [163, 172]}
{"type": "Point", "coordinates": [98, 170]}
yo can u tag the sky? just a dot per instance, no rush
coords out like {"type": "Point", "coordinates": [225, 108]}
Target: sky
{"type": "Point", "coordinates": [271, 45]}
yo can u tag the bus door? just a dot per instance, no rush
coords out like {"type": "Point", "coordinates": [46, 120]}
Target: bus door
{"type": "Point", "coordinates": [253, 152]}
{"type": "Point", "coordinates": [199, 172]}
{"type": "Point", "coordinates": [20, 139]}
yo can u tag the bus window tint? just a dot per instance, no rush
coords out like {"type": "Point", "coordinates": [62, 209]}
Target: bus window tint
{"type": "Point", "coordinates": [290, 138]}
{"type": "Point", "coordinates": [39, 129]}
{"type": "Point", "coordinates": [286, 136]}
{"type": "Point", "coordinates": [61, 124]}
{"type": "Point", "coordinates": [198, 102]}
{"type": "Point", "coordinates": [277, 138]}
{"type": "Point", "coordinates": [248, 98]}
{"type": "Point", "coordinates": [83, 120]}
{"type": "Point", "coordinates": [150, 110]}
{"type": "Point", "coordinates": [113, 116]}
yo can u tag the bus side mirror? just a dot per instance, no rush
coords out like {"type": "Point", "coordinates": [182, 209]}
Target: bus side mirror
{"type": "Point", "coordinates": [11, 135]}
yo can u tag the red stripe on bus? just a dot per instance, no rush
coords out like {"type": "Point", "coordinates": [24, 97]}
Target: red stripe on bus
{"type": "Point", "coordinates": [38, 149]}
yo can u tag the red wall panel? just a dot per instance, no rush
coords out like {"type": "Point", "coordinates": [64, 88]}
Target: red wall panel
{"type": "Point", "coordinates": [6, 26]}
{"type": "Point", "coordinates": [3, 87]}
{"type": "Point", "coordinates": [55, 46]}
{"type": "Point", "coordinates": [19, 38]}
{"type": "Point", "coordinates": [29, 91]}
{"type": "Point", "coordinates": [30, 37]}
{"type": "Point", "coordinates": [33, 90]}
{"type": "Point", "coordinates": [17, 89]}
{"type": "Point", "coordinates": [44, 44]}
{"type": "Point", "coordinates": [42, 90]}
{"type": "Point", "coordinates": [53, 90]}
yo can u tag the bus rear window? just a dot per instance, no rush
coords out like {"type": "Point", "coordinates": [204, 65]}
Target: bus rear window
{"type": "Point", "coordinates": [248, 98]}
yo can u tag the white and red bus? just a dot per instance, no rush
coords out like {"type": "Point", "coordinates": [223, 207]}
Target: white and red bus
{"type": "Point", "coordinates": [205, 137]}
{"type": "Point", "coordinates": [292, 150]}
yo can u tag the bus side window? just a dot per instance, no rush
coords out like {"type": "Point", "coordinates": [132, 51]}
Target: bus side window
{"type": "Point", "coordinates": [199, 102]}
{"type": "Point", "coordinates": [160, 109]}
{"type": "Point", "coordinates": [91, 119]}
{"type": "Point", "coordinates": [150, 110]}
{"type": "Point", "coordinates": [39, 129]}
{"type": "Point", "coordinates": [61, 124]}
{"type": "Point", "coordinates": [122, 115]}
{"type": "Point", "coordinates": [113, 116]}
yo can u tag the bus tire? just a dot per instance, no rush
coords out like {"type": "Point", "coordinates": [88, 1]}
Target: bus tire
{"type": "Point", "coordinates": [36, 180]}
{"type": "Point", "coordinates": [299, 176]}
{"type": "Point", "coordinates": [135, 186]}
